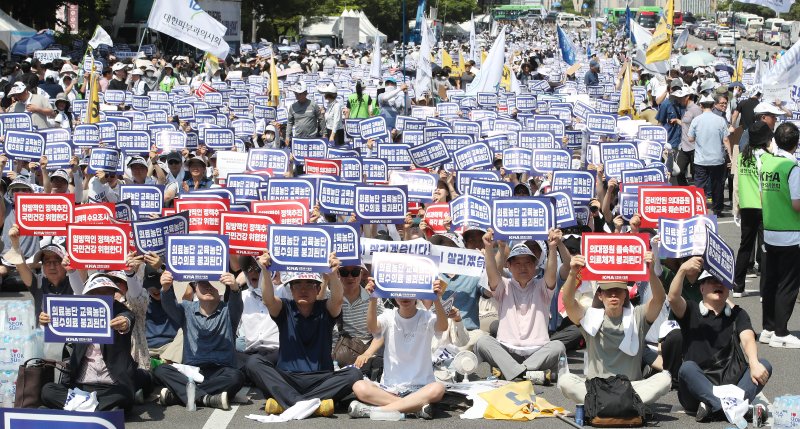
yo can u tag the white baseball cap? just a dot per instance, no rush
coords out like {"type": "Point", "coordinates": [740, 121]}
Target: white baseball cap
{"type": "Point", "coordinates": [299, 87]}
{"type": "Point", "coordinates": [17, 88]}
{"type": "Point", "coordinates": [768, 108]}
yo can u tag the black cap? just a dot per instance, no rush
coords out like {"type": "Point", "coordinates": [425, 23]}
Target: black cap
{"type": "Point", "coordinates": [760, 134]}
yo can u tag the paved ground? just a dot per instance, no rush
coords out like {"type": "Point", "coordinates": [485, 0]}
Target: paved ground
{"type": "Point", "coordinates": [741, 44]}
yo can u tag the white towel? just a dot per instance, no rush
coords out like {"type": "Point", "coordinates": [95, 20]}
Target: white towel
{"type": "Point", "coordinates": [189, 371]}
{"type": "Point", "coordinates": [593, 319]}
{"type": "Point", "coordinates": [297, 411]}
{"type": "Point", "coordinates": [79, 400]}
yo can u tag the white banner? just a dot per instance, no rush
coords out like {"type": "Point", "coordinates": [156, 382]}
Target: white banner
{"type": "Point", "coordinates": [187, 22]}
{"type": "Point", "coordinates": [780, 6]}
{"type": "Point", "coordinates": [47, 56]}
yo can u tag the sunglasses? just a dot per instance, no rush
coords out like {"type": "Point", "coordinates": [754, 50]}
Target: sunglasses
{"type": "Point", "coordinates": [252, 268]}
{"type": "Point", "coordinates": [172, 161]}
{"type": "Point", "coordinates": [350, 273]}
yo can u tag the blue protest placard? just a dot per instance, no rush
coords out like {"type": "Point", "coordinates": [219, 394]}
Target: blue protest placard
{"type": "Point", "coordinates": [420, 185]}
{"type": "Point", "coordinates": [719, 258]}
{"type": "Point", "coordinates": [554, 126]}
{"type": "Point", "coordinates": [565, 215]}
{"type": "Point", "coordinates": [615, 167]}
{"type": "Point", "coordinates": [546, 160]}
{"type": "Point", "coordinates": [103, 159]}
{"type": "Point", "coordinates": [467, 211]}
{"type": "Point", "coordinates": [650, 150]}
{"type": "Point", "coordinates": [529, 218]}
{"type": "Point", "coordinates": [413, 138]}
{"type": "Point", "coordinates": [373, 128]}
{"type": "Point", "coordinates": [536, 140]}
{"type": "Point", "coordinates": [337, 197]}
{"type": "Point", "coordinates": [517, 160]}
{"type": "Point", "coordinates": [526, 102]}
{"type": "Point", "coordinates": [375, 170]}
{"type": "Point", "coordinates": [433, 132]}
{"type": "Point", "coordinates": [643, 175]}
{"type": "Point", "coordinates": [463, 178]}
{"type": "Point", "coordinates": [448, 109]}
{"type": "Point", "coordinates": [400, 275]}
{"type": "Point", "coordinates": [396, 155]}
{"type": "Point", "coordinates": [79, 319]}
{"type": "Point", "coordinates": [52, 135]}
{"type": "Point", "coordinates": [291, 189]}
{"type": "Point", "coordinates": [601, 124]}
{"type": "Point", "coordinates": [352, 170]}
{"type": "Point", "coordinates": [244, 186]}
{"type": "Point", "coordinates": [430, 154]}
{"type": "Point", "coordinates": [58, 153]}
{"type": "Point", "coordinates": [145, 199]}
{"type": "Point", "coordinates": [684, 237]}
{"type": "Point", "coordinates": [308, 148]}
{"type": "Point", "coordinates": [86, 135]}
{"type": "Point", "coordinates": [218, 138]}
{"type": "Point", "coordinates": [193, 257]}
{"type": "Point", "coordinates": [381, 204]}
{"type": "Point", "coordinates": [617, 150]}
{"type": "Point", "coordinates": [120, 122]}
{"type": "Point", "coordinates": [298, 248]}
{"type": "Point", "coordinates": [276, 160]}
{"type": "Point", "coordinates": [655, 133]}
{"type": "Point", "coordinates": [25, 418]}
{"type": "Point", "coordinates": [487, 99]}
{"type": "Point", "coordinates": [498, 143]}
{"type": "Point", "coordinates": [454, 141]}
{"type": "Point", "coordinates": [477, 156]}
{"type": "Point", "coordinates": [489, 190]}
{"type": "Point", "coordinates": [346, 243]}
{"type": "Point", "coordinates": [108, 132]}
{"type": "Point", "coordinates": [170, 140]}
{"type": "Point", "coordinates": [133, 142]}
{"type": "Point", "coordinates": [244, 127]}
{"type": "Point", "coordinates": [23, 145]}
{"type": "Point", "coordinates": [628, 205]}
{"type": "Point", "coordinates": [467, 127]}
{"type": "Point", "coordinates": [151, 235]}
{"type": "Point", "coordinates": [268, 114]}
{"type": "Point", "coordinates": [15, 121]}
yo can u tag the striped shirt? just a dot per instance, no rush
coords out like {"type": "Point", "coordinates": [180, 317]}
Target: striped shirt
{"type": "Point", "coordinates": [354, 316]}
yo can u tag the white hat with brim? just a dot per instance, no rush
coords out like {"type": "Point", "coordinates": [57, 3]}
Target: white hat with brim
{"type": "Point", "coordinates": [299, 88]}
{"type": "Point", "coordinates": [328, 89]}
{"type": "Point", "coordinates": [764, 108]}
{"type": "Point", "coordinates": [520, 250]}
{"type": "Point", "coordinates": [17, 88]}
{"type": "Point", "coordinates": [118, 66]}
{"type": "Point", "coordinates": [303, 276]}
{"type": "Point", "coordinates": [706, 99]}
{"type": "Point", "coordinates": [196, 159]}
{"type": "Point", "coordinates": [99, 282]}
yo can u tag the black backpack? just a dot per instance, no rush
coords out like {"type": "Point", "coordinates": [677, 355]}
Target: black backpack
{"type": "Point", "coordinates": [612, 402]}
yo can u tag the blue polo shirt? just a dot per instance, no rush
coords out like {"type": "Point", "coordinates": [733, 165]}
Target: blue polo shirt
{"type": "Point", "coordinates": [305, 342]}
{"type": "Point", "coordinates": [466, 293]}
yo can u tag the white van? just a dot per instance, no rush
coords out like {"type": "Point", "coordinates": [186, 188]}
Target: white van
{"type": "Point", "coordinates": [568, 20]}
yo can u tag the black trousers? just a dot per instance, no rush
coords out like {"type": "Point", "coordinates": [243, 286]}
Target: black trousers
{"type": "Point", "coordinates": [569, 334]}
{"type": "Point", "coordinates": [109, 396]}
{"type": "Point", "coordinates": [217, 379]}
{"type": "Point", "coordinates": [672, 354]}
{"type": "Point", "coordinates": [752, 239]}
{"type": "Point", "coordinates": [711, 178]}
{"type": "Point", "coordinates": [684, 159]}
{"type": "Point", "coordinates": [779, 288]}
{"type": "Point", "coordinates": [289, 388]}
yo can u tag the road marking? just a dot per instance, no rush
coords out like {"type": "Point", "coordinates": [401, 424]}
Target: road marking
{"type": "Point", "coordinates": [220, 419]}
{"type": "Point", "coordinates": [724, 221]}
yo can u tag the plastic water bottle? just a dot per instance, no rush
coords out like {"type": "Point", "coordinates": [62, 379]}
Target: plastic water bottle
{"type": "Point", "coordinates": [336, 365]}
{"type": "Point", "coordinates": [389, 416]}
{"type": "Point", "coordinates": [190, 393]}
{"type": "Point", "coordinates": [563, 367]}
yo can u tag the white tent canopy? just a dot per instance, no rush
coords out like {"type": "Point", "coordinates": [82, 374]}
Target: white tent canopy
{"type": "Point", "coordinates": [11, 31]}
{"type": "Point", "coordinates": [333, 26]}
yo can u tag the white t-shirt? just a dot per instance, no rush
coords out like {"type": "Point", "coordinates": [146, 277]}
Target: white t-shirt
{"type": "Point", "coordinates": [407, 353]}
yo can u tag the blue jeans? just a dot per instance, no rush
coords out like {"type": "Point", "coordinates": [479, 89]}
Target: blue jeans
{"type": "Point", "coordinates": [694, 387]}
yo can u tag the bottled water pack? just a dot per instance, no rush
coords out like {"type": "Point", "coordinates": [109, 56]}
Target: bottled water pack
{"type": "Point", "coordinates": [786, 412]}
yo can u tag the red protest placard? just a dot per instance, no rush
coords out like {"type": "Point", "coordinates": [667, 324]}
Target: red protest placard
{"type": "Point", "coordinates": [700, 201]}
{"type": "Point", "coordinates": [670, 202]}
{"type": "Point", "coordinates": [267, 172]}
{"type": "Point", "coordinates": [204, 89]}
{"type": "Point", "coordinates": [327, 167]}
{"type": "Point", "coordinates": [435, 214]}
{"type": "Point", "coordinates": [94, 214]}
{"type": "Point", "coordinates": [284, 212]}
{"type": "Point", "coordinates": [617, 257]}
{"type": "Point", "coordinates": [43, 214]}
{"type": "Point", "coordinates": [98, 247]}
{"type": "Point", "coordinates": [247, 232]}
{"type": "Point", "coordinates": [204, 213]}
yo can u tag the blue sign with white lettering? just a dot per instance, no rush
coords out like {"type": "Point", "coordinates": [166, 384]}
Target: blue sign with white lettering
{"type": "Point", "coordinates": [400, 275]}
{"type": "Point", "coordinates": [58, 153]}
{"type": "Point", "coordinates": [396, 155]}
{"type": "Point", "coordinates": [145, 199]}
{"type": "Point", "coordinates": [23, 418]}
{"type": "Point", "coordinates": [467, 127]}
{"type": "Point", "coordinates": [218, 138]}
{"type": "Point", "coordinates": [554, 126]}
{"type": "Point", "coordinates": [602, 124]}
{"type": "Point", "coordinates": [120, 122]}
{"type": "Point", "coordinates": [579, 183]}
{"type": "Point", "coordinates": [351, 170]}
{"type": "Point", "coordinates": [337, 198]}
{"type": "Point", "coordinates": [430, 132]}
{"type": "Point", "coordinates": [133, 142]}
{"type": "Point", "coordinates": [655, 133]}
{"type": "Point", "coordinates": [381, 204]}
{"type": "Point", "coordinates": [487, 99]}
{"type": "Point", "coordinates": [291, 189]}
{"type": "Point", "coordinates": [489, 190]}
{"type": "Point", "coordinates": [108, 132]}
{"type": "Point", "coordinates": [565, 215]}
{"type": "Point", "coordinates": [455, 141]}
{"type": "Point", "coordinates": [526, 102]}
{"type": "Point", "coordinates": [413, 138]}
{"type": "Point", "coordinates": [276, 160]}
{"type": "Point", "coordinates": [547, 160]}
{"type": "Point", "coordinates": [15, 121]}
{"type": "Point", "coordinates": [244, 186]}
{"type": "Point", "coordinates": [498, 143]}
{"type": "Point", "coordinates": [628, 205]}
{"type": "Point", "coordinates": [346, 243]}
{"type": "Point", "coordinates": [617, 150]}
{"type": "Point", "coordinates": [420, 185]}
{"type": "Point", "coordinates": [151, 235]}
{"type": "Point", "coordinates": [463, 178]}
{"type": "Point", "coordinates": [23, 145]}
{"type": "Point", "coordinates": [375, 170]}
{"type": "Point", "coordinates": [650, 150]}
{"type": "Point", "coordinates": [518, 218]}
{"type": "Point", "coordinates": [103, 159]}
{"type": "Point", "coordinates": [536, 140]}
{"type": "Point", "coordinates": [79, 319]}
{"type": "Point", "coordinates": [194, 257]}
{"type": "Point", "coordinates": [308, 148]}
{"type": "Point", "coordinates": [300, 248]}
{"type": "Point", "coordinates": [431, 154]}
{"type": "Point", "coordinates": [517, 160]}
{"type": "Point", "coordinates": [719, 258]}
{"type": "Point", "coordinates": [268, 114]}
{"type": "Point", "coordinates": [373, 128]}
{"type": "Point", "coordinates": [468, 211]}
{"type": "Point", "coordinates": [615, 167]}
{"type": "Point", "coordinates": [643, 175]}
{"type": "Point", "coordinates": [477, 156]}
{"type": "Point", "coordinates": [684, 237]}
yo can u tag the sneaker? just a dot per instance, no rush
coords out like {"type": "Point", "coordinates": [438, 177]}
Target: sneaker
{"type": "Point", "coordinates": [737, 294]}
{"type": "Point", "coordinates": [425, 413]}
{"type": "Point", "coordinates": [496, 373]}
{"type": "Point", "coordinates": [541, 378]}
{"type": "Point", "coordinates": [219, 401]}
{"type": "Point", "coordinates": [785, 342]}
{"type": "Point", "coordinates": [168, 398]}
{"type": "Point", "coordinates": [765, 336]}
{"type": "Point", "coordinates": [703, 413]}
{"type": "Point", "coordinates": [358, 410]}
{"type": "Point", "coordinates": [325, 408]}
{"type": "Point", "coordinates": [272, 407]}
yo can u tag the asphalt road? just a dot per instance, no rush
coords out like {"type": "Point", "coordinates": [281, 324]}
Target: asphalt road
{"type": "Point", "coordinates": [668, 411]}
{"type": "Point", "coordinates": [741, 44]}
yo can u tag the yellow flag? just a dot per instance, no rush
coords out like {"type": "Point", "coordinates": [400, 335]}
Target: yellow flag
{"type": "Point", "coordinates": [505, 79]}
{"type": "Point", "coordinates": [661, 45]}
{"type": "Point", "coordinates": [456, 72]}
{"type": "Point", "coordinates": [93, 108]}
{"type": "Point", "coordinates": [737, 74]}
{"type": "Point", "coordinates": [211, 63]}
{"type": "Point", "coordinates": [483, 57]}
{"type": "Point", "coordinates": [274, 88]}
{"type": "Point", "coordinates": [626, 93]}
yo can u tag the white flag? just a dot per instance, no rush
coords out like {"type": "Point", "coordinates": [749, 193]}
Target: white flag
{"type": "Point", "coordinates": [187, 22]}
{"type": "Point", "coordinates": [375, 69]}
{"type": "Point", "coordinates": [488, 78]}
{"type": "Point", "coordinates": [786, 69]}
{"type": "Point", "coordinates": [780, 6]}
{"type": "Point", "coordinates": [593, 31]}
{"type": "Point", "coordinates": [100, 37]}
{"type": "Point", "coordinates": [424, 78]}
{"type": "Point", "coordinates": [643, 37]}
{"type": "Point", "coordinates": [680, 42]}
{"type": "Point", "coordinates": [474, 55]}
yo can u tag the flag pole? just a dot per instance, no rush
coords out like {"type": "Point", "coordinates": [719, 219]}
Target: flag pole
{"type": "Point", "coordinates": [139, 49]}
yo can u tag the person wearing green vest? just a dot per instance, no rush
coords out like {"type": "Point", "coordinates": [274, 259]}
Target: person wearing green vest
{"type": "Point", "coordinates": [749, 204]}
{"type": "Point", "coordinates": [168, 79]}
{"type": "Point", "coordinates": [780, 199]}
{"type": "Point", "coordinates": [358, 104]}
